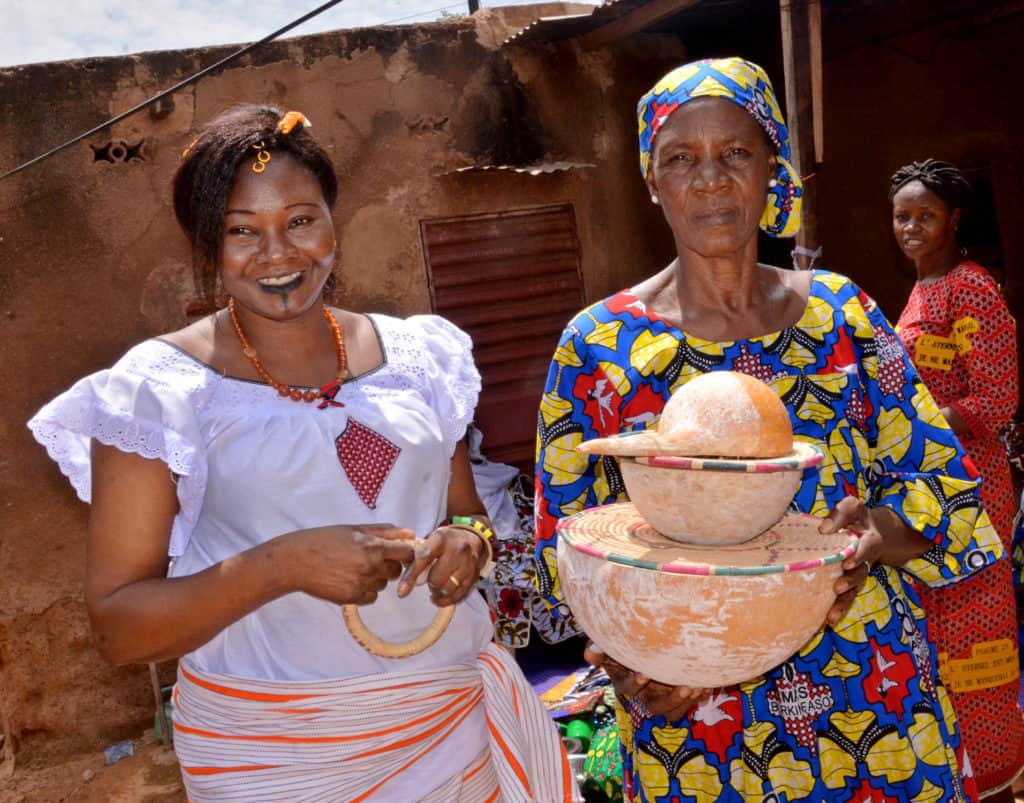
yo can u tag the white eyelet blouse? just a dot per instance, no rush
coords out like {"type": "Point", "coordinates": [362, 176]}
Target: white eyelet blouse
{"type": "Point", "coordinates": [252, 465]}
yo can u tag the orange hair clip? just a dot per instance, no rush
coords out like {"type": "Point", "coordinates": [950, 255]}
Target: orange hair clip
{"type": "Point", "coordinates": [290, 120]}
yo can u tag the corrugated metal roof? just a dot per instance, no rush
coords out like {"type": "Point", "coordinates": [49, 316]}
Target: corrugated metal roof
{"type": "Point", "coordinates": [551, 29]}
{"type": "Point", "coordinates": [511, 280]}
{"type": "Point", "coordinates": [533, 170]}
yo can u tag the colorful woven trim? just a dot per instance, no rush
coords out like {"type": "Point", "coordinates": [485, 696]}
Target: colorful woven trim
{"type": "Point", "coordinates": [803, 456]}
{"type": "Point", "coordinates": [571, 540]}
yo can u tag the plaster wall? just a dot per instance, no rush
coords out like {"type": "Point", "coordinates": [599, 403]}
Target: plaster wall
{"type": "Point", "coordinates": [587, 100]}
{"type": "Point", "coordinates": [91, 260]}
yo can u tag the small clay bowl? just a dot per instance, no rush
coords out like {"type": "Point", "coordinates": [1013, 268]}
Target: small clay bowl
{"type": "Point", "coordinates": [697, 616]}
{"type": "Point", "coordinates": [715, 501]}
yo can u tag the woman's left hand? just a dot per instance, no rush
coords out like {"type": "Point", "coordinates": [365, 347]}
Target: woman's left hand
{"type": "Point", "coordinates": [852, 514]}
{"type": "Point", "coordinates": [453, 556]}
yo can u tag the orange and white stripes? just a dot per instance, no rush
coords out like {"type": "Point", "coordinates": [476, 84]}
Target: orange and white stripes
{"type": "Point", "coordinates": [352, 740]}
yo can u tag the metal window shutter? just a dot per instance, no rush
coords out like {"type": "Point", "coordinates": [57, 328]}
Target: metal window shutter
{"type": "Point", "coordinates": [512, 280]}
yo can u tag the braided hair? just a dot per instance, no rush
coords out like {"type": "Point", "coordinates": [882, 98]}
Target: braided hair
{"type": "Point", "coordinates": [206, 176]}
{"type": "Point", "coordinates": [941, 178]}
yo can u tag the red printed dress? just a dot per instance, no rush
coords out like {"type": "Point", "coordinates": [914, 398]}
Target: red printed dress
{"type": "Point", "coordinates": [962, 339]}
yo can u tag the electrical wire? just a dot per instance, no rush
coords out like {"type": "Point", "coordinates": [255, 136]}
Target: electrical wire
{"type": "Point", "coordinates": [201, 74]}
{"type": "Point", "coordinates": [423, 13]}
{"type": "Point", "coordinates": [180, 85]}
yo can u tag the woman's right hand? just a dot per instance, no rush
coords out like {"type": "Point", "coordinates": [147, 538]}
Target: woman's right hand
{"type": "Point", "coordinates": [672, 702]}
{"type": "Point", "coordinates": [346, 564]}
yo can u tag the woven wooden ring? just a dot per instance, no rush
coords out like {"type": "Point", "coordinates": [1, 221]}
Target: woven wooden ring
{"type": "Point", "coordinates": [375, 645]}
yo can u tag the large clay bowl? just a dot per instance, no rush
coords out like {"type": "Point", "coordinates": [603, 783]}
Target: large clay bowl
{"type": "Point", "coordinates": [715, 501]}
{"type": "Point", "coordinates": [697, 616]}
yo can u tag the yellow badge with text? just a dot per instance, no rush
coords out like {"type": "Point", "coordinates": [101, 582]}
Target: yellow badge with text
{"type": "Point", "coordinates": [992, 663]}
{"type": "Point", "coordinates": [938, 352]}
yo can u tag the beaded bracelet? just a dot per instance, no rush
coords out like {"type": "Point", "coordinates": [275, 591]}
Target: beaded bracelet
{"type": "Point", "coordinates": [485, 533]}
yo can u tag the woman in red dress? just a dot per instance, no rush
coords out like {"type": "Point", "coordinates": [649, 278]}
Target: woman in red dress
{"type": "Point", "coordinates": [962, 339]}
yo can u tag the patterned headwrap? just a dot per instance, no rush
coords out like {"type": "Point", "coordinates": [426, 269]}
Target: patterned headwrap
{"type": "Point", "coordinates": [747, 85]}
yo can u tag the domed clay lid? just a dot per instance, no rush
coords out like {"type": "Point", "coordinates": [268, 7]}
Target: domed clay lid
{"type": "Point", "coordinates": [721, 414]}
{"type": "Point", "coordinates": [618, 533]}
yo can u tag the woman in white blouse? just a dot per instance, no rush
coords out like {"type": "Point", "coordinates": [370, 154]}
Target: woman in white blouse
{"type": "Point", "coordinates": [252, 472]}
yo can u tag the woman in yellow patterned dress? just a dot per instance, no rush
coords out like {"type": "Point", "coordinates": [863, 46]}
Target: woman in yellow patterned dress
{"type": "Point", "coordinates": [859, 712]}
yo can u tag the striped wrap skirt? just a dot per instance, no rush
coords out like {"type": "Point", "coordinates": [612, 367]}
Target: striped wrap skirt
{"type": "Point", "coordinates": [362, 739]}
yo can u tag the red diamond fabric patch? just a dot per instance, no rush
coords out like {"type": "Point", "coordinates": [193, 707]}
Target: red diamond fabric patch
{"type": "Point", "coordinates": [367, 458]}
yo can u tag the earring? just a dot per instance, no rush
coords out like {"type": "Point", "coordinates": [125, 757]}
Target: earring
{"type": "Point", "coordinates": [654, 200]}
{"type": "Point", "coordinates": [773, 184]}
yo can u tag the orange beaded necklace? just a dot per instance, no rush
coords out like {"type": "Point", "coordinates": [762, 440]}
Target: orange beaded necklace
{"type": "Point", "coordinates": [327, 392]}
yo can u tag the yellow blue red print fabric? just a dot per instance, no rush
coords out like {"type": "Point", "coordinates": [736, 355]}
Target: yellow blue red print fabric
{"type": "Point", "coordinates": [748, 85]}
{"type": "Point", "coordinates": [859, 713]}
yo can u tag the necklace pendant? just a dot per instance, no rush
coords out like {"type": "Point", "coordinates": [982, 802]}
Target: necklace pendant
{"type": "Point", "coordinates": [327, 394]}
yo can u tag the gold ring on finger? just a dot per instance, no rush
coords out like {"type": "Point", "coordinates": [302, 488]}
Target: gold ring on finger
{"type": "Point", "coordinates": [454, 580]}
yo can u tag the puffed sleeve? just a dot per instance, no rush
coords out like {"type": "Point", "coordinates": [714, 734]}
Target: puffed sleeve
{"type": "Point", "coordinates": [137, 413]}
{"type": "Point", "coordinates": [451, 381]}
{"type": "Point", "coordinates": [986, 334]}
{"type": "Point", "coordinates": [918, 468]}
{"type": "Point", "coordinates": [565, 480]}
